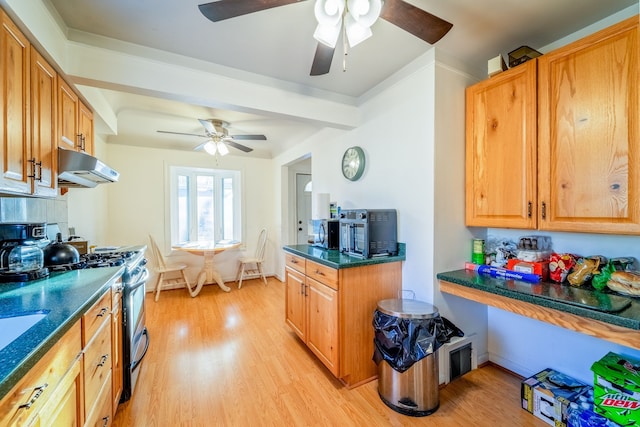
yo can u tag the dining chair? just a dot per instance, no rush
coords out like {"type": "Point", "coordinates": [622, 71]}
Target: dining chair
{"type": "Point", "coordinates": [244, 268]}
{"type": "Point", "coordinates": [162, 268]}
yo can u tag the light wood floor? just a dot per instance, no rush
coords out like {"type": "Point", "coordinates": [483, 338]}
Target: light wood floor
{"type": "Point", "coordinates": [228, 359]}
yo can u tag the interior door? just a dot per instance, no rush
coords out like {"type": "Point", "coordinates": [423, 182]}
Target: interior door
{"type": "Point", "coordinates": [303, 208]}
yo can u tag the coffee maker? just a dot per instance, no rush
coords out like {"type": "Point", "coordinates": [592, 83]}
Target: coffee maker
{"type": "Point", "coordinates": [21, 256]}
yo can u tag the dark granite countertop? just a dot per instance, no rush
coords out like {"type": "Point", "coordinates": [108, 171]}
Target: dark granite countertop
{"type": "Point", "coordinates": [64, 297]}
{"type": "Point", "coordinates": [582, 301]}
{"type": "Point", "coordinates": [335, 259]}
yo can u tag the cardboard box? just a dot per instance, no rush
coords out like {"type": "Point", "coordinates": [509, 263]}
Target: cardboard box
{"type": "Point", "coordinates": [582, 413]}
{"type": "Point", "coordinates": [540, 268]}
{"type": "Point", "coordinates": [616, 389]}
{"type": "Point", "coordinates": [496, 65]}
{"type": "Point", "coordinates": [548, 394]}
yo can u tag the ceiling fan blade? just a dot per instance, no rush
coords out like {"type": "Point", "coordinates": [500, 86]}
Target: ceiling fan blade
{"type": "Point", "coordinates": [182, 133]}
{"type": "Point", "coordinates": [201, 146]}
{"type": "Point", "coordinates": [414, 20]}
{"type": "Point", "coordinates": [231, 143]}
{"type": "Point", "coordinates": [225, 9]}
{"type": "Point", "coordinates": [208, 126]}
{"type": "Point", "coordinates": [322, 60]}
{"type": "Point", "coordinates": [249, 137]}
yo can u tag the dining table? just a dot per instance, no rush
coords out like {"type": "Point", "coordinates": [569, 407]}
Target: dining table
{"type": "Point", "coordinates": [208, 249]}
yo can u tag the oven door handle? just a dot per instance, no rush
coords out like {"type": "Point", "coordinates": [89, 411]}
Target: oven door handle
{"type": "Point", "coordinates": [140, 282]}
{"type": "Point", "coordinates": [135, 364]}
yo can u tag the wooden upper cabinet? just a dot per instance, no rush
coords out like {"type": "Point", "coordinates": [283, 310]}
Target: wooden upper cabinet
{"type": "Point", "coordinates": [68, 104]}
{"type": "Point", "coordinates": [589, 130]}
{"type": "Point", "coordinates": [14, 108]}
{"type": "Point", "coordinates": [501, 150]}
{"type": "Point", "coordinates": [44, 133]}
{"type": "Point", "coordinates": [85, 128]}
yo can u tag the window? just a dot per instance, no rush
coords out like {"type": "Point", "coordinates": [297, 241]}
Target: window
{"type": "Point", "coordinates": [205, 204]}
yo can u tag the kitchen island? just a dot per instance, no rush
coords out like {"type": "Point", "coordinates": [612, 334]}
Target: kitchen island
{"type": "Point", "coordinates": [64, 298]}
{"type": "Point", "coordinates": [600, 314]}
{"type": "Point", "coordinates": [330, 301]}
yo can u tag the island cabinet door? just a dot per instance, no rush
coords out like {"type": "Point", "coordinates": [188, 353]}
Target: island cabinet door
{"type": "Point", "coordinates": [295, 302]}
{"type": "Point", "coordinates": [323, 333]}
{"type": "Point", "coordinates": [589, 134]}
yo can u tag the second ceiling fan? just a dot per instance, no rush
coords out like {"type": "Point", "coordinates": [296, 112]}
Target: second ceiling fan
{"type": "Point", "coordinates": [335, 16]}
{"type": "Point", "coordinates": [218, 137]}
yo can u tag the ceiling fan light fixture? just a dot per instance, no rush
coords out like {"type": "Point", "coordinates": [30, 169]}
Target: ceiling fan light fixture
{"type": "Point", "coordinates": [364, 12]}
{"type": "Point", "coordinates": [356, 33]}
{"type": "Point", "coordinates": [327, 35]}
{"type": "Point", "coordinates": [222, 148]}
{"type": "Point", "coordinates": [329, 12]}
{"type": "Point", "coordinates": [210, 147]}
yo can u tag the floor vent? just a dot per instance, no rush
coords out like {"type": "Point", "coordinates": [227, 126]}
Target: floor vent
{"type": "Point", "coordinates": [456, 358]}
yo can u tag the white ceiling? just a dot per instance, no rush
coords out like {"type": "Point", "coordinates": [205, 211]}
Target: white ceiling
{"type": "Point", "coordinates": [278, 44]}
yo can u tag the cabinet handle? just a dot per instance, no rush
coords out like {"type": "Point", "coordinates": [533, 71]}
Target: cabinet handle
{"type": "Point", "coordinates": [80, 141]}
{"type": "Point", "coordinates": [33, 162]}
{"type": "Point", "coordinates": [305, 291]}
{"type": "Point", "coordinates": [544, 210]}
{"type": "Point", "coordinates": [103, 359]}
{"type": "Point", "coordinates": [105, 421]}
{"type": "Point", "coordinates": [301, 288]}
{"type": "Point", "coordinates": [319, 273]}
{"type": "Point", "coordinates": [103, 311]}
{"type": "Point", "coordinates": [39, 164]}
{"type": "Point", "coordinates": [294, 261]}
{"type": "Point", "coordinates": [36, 395]}
{"type": "Point", "coordinates": [529, 210]}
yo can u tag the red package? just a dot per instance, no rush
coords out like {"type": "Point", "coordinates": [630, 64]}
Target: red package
{"type": "Point", "coordinates": [560, 265]}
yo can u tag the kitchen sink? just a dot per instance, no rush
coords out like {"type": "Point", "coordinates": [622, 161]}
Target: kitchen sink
{"type": "Point", "coordinates": [12, 327]}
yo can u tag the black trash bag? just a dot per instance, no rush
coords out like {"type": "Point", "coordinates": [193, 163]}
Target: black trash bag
{"type": "Point", "coordinates": [404, 341]}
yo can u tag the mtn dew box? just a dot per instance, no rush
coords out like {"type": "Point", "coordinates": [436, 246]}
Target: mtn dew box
{"type": "Point", "coordinates": [616, 389]}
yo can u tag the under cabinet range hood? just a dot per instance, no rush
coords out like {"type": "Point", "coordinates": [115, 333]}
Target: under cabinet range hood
{"type": "Point", "coordinates": [78, 169]}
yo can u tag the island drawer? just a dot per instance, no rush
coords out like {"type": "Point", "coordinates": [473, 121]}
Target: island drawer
{"type": "Point", "coordinates": [323, 274]}
{"type": "Point", "coordinates": [296, 262]}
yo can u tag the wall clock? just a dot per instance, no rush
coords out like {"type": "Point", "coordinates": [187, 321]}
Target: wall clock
{"type": "Point", "coordinates": [353, 163]}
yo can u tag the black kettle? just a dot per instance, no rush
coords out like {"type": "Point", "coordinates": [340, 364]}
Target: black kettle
{"type": "Point", "coordinates": [59, 253]}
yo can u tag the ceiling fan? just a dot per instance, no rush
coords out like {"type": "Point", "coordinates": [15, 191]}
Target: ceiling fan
{"type": "Point", "coordinates": [412, 19]}
{"type": "Point", "coordinates": [218, 137]}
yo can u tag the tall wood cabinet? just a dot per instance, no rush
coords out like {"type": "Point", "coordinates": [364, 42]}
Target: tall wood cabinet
{"type": "Point", "coordinates": [589, 134]}
{"type": "Point", "coordinates": [579, 170]}
{"type": "Point", "coordinates": [331, 310]}
{"type": "Point", "coordinates": [500, 159]}
{"type": "Point", "coordinates": [15, 51]}
{"type": "Point", "coordinates": [44, 155]}
{"type": "Point", "coordinates": [75, 120]}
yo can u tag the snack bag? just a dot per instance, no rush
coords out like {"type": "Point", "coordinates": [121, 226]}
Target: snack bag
{"type": "Point", "coordinates": [559, 266]}
{"type": "Point", "coordinates": [585, 269]}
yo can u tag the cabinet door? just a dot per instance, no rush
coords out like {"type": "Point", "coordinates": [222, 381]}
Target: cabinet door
{"type": "Point", "coordinates": [295, 302]}
{"type": "Point", "coordinates": [43, 123]}
{"type": "Point", "coordinates": [14, 109]}
{"type": "Point", "coordinates": [322, 334]}
{"type": "Point", "coordinates": [588, 137]}
{"type": "Point", "coordinates": [85, 128]}
{"type": "Point", "coordinates": [64, 406]}
{"type": "Point", "coordinates": [501, 150]}
{"type": "Point", "coordinates": [116, 345]}
{"type": "Point", "coordinates": [67, 117]}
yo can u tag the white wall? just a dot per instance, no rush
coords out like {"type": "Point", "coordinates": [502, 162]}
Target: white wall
{"type": "Point", "coordinates": [136, 204]}
{"type": "Point", "coordinates": [412, 133]}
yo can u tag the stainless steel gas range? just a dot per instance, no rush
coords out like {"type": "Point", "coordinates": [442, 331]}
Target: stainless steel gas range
{"type": "Point", "coordinates": [135, 337]}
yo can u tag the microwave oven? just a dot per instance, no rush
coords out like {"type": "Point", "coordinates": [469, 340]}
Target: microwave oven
{"type": "Point", "coordinates": [368, 233]}
{"type": "Point", "coordinates": [325, 233]}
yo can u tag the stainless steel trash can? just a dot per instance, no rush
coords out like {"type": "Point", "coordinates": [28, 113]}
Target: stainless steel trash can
{"type": "Point", "coordinates": [415, 391]}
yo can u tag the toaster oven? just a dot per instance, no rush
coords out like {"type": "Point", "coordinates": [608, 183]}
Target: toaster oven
{"type": "Point", "coordinates": [368, 233]}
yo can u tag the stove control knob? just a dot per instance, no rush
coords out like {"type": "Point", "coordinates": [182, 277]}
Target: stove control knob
{"type": "Point", "coordinates": [362, 215]}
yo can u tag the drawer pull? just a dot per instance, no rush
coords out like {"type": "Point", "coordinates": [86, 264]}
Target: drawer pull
{"type": "Point", "coordinates": [36, 395]}
{"type": "Point", "coordinates": [103, 359]}
{"type": "Point", "coordinates": [103, 311]}
{"type": "Point", "coordinates": [105, 421]}
{"type": "Point", "coordinates": [319, 273]}
{"type": "Point", "coordinates": [294, 261]}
